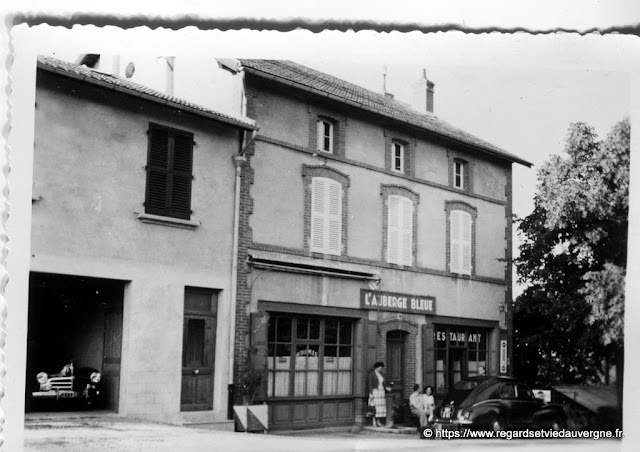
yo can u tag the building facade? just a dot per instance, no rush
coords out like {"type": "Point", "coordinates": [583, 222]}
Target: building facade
{"type": "Point", "coordinates": [132, 242]}
{"type": "Point", "coordinates": [369, 232]}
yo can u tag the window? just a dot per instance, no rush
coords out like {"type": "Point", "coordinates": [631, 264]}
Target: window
{"type": "Point", "coordinates": [399, 152]}
{"type": "Point", "coordinates": [459, 353]}
{"type": "Point", "coordinates": [458, 174]}
{"type": "Point", "coordinates": [400, 231]}
{"type": "Point", "coordinates": [398, 157]}
{"type": "Point", "coordinates": [326, 216]}
{"type": "Point", "coordinates": [169, 172]}
{"type": "Point", "coordinates": [325, 136]}
{"type": "Point", "coordinates": [309, 356]}
{"type": "Point", "coordinates": [460, 242]}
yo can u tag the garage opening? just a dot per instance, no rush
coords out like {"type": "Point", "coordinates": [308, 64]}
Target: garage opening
{"type": "Point", "coordinates": [74, 330]}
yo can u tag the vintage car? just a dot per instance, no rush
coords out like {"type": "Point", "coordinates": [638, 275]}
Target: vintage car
{"type": "Point", "coordinates": [83, 384]}
{"type": "Point", "coordinates": [495, 403]}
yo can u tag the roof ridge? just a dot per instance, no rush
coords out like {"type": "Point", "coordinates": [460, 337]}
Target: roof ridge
{"type": "Point", "coordinates": [314, 80]}
{"type": "Point", "coordinates": [95, 76]}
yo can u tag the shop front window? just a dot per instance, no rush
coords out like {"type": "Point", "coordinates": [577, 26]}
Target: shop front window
{"type": "Point", "coordinates": [460, 353]}
{"type": "Point", "coordinates": [309, 356]}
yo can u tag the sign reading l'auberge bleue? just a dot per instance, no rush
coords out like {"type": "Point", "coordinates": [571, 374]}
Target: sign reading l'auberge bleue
{"type": "Point", "coordinates": [397, 302]}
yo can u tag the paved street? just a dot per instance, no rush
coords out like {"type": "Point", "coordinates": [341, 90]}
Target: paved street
{"type": "Point", "coordinates": [118, 434]}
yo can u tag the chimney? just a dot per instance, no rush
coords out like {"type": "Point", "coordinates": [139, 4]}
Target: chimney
{"type": "Point", "coordinates": [430, 89]}
{"type": "Point", "coordinates": [422, 94]}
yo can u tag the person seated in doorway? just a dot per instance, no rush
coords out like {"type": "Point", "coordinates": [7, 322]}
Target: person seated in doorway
{"type": "Point", "coordinates": [427, 402]}
{"type": "Point", "coordinates": [416, 406]}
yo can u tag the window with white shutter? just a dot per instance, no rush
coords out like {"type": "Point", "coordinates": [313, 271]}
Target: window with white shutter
{"type": "Point", "coordinates": [460, 242]}
{"type": "Point", "coordinates": [400, 230]}
{"type": "Point", "coordinates": [326, 216]}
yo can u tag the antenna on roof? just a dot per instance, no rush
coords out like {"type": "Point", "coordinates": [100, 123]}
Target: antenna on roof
{"type": "Point", "coordinates": [384, 83]}
{"type": "Point", "coordinates": [384, 79]}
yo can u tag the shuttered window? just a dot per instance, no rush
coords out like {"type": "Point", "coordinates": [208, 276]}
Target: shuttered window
{"type": "Point", "coordinates": [326, 216]}
{"type": "Point", "coordinates": [400, 231]}
{"type": "Point", "coordinates": [169, 172]}
{"type": "Point", "coordinates": [460, 246]}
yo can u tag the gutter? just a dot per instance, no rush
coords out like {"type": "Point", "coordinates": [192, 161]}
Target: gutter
{"type": "Point", "coordinates": [336, 98]}
{"type": "Point", "coordinates": [149, 97]}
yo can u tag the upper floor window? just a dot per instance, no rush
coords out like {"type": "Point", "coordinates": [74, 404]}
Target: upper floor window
{"type": "Point", "coordinates": [399, 152]}
{"type": "Point", "coordinates": [461, 237]}
{"type": "Point", "coordinates": [325, 136]}
{"type": "Point", "coordinates": [169, 172]}
{"type": "Point", "coordinates": [326, 216]}
{"type": "Point", "coordinates": [400, 230]}
{"type": "Point", "coordinates": [397, 157]}
{"type": "Point", "coordinates": [399, 224]}
{"type": "Point", "coordinates": [458, 174]}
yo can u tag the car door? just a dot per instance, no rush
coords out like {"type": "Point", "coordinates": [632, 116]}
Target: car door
{"type": "Point", "coordinates": [508, 403]}
{"type": "Point", "coordinates": [527, 405]}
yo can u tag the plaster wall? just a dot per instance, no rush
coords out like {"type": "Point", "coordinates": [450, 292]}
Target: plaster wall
{"type": "Point", "coordinates": [454, 296]}
{"type": "Point", "coordinates": [281, 117]}
{"type": "Point", "coordinates": [278, 213]}
{"type": "Point", "coordinates": [89, 183]}
{"type": "Point", "coordinates": [365, 142]}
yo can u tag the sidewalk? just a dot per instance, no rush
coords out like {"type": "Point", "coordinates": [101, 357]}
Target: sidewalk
{"type": "Point", "coordinates": [82, 432]}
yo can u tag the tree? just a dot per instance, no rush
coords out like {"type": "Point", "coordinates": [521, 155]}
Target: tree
{"type": "Point", "coordinates": [569, 320]}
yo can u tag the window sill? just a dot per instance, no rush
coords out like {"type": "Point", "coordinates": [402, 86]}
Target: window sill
{"type": "Point", "coordinates": [167, 221]}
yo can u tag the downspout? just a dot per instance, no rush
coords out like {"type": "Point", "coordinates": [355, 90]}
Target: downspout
{"type": "Point", "coordinates": [239, 161]}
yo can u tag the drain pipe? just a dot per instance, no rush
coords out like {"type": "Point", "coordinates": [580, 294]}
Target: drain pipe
{"type": "Point", "coordinates": [239, 161]}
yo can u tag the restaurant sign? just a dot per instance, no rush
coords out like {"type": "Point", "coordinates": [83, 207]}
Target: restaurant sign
{"type": "Point", "coordinates": [397, 302]}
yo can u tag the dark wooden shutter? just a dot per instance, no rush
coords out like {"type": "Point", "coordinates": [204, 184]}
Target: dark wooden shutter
{"type": "Point", "coordinates": [428, 358]}
{"type": "Point", "coordinates": [181, 181]}
{"type": "Point", "coordinates": [371, 347]}
{"type": "Point", "coordinates": [259, 328]}
{"type": "Point", "coordinates": [169, 172]}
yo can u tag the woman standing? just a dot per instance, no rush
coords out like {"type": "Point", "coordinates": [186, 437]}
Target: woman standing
{"type": "Point", "coordinates": [377, 394]}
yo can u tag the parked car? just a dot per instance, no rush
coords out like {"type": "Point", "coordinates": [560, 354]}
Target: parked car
{"type": "Point", "coordinates": [496, 403]}
{"type": "Point", "coordinates": [83, 384]}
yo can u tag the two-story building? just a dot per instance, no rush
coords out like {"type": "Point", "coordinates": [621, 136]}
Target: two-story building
{"type": "Point", "coordinates": [134, 200]}
{"type": "Point", "coordinates": [369, 231]}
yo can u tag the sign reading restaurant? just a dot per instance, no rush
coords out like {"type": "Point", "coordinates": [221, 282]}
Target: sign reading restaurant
{"type": "Point", "coordinates": [397, 302]}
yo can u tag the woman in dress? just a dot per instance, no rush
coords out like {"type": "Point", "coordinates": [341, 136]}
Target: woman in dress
{"type": "Point", "coordinates": [428, 402]}
{"type": "Point", "coordinates": [377, 394]}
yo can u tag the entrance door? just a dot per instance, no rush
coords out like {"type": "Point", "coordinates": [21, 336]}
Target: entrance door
{"type": "Point", "coordinates": [395, 364]}
{"type": "Point", "coordinates": [198, 349]}
{"type": "Point", "coordinates": [112, 356]}
{"type": "Point", "coordinates": [457, 365]}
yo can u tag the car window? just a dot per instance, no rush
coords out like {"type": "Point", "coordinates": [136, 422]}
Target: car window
{"type": "Point", "coordinates": [465, 384]}
{"type": "Point", "coordinates": [524, 393]}
{"type": "Point", "coordinates": [507, 391]}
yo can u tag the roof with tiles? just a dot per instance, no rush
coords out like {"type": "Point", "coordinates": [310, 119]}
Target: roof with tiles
{"type": "Point", "coordinates": [309, 79]}
{"type": "Point", "coordinates": [127, 86]}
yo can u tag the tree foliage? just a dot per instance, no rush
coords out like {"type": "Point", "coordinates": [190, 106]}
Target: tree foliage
{"type": "Point", "coordinates": [573, 259]}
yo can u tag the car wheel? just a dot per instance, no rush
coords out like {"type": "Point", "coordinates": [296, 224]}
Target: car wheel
{"type": "Point", "coordinates": [497, 424]}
